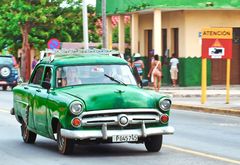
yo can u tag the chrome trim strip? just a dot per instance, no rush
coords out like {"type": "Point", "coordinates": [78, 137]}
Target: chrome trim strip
{"type": "Point", "coordinates": [104, 133]}
{"type": "Point", "coordinates": [22, 102]}
{"type": "Point", "coordinates": [113, 120]}
{"type": "Point", "coordinates": [96, 112]}
{"type": "Point", "coordinates": [144, 130]}
{"type": "Point", "coordinates": [135, 116]}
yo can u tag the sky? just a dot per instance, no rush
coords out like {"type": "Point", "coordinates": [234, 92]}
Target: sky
{"type": "Point", "coordinates": [91, 2]}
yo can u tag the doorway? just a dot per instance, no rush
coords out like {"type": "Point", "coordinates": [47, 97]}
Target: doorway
{"type": "Point", "coordinates": [175, 41]}
{"type": "Point", "coordinates": [148, 48]}
{"type": "Point", "coordinates": [218, 66]}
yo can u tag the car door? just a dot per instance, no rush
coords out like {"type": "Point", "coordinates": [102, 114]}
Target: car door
{"type": "Point", "coordinates": [40, 104]}
{"type": "Point", "coordinates": [32, 87]}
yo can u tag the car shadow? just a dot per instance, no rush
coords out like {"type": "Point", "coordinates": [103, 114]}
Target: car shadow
{"type": "Point", "coordinates": [108, 150]}
{"type": "Point", "coordinates": [89, 150]}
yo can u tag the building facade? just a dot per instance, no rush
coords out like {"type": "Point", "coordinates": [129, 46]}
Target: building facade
{"type": "Point", "coordinates": [174, 26]}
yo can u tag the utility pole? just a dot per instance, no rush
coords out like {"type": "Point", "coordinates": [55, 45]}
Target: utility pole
{"type": "Point", "coordinates": [85, 24]}
{"type": "Point", "coordinates": [104, 29]}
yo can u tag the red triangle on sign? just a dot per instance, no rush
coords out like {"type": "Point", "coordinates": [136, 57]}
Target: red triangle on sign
{"type": "Point", "coordinates": [217, 43]}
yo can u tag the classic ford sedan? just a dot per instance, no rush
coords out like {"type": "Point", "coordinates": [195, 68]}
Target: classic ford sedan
{"type": "Point", "coordinates": [87, 97]}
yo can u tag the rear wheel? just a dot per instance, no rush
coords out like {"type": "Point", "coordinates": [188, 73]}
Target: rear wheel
{"type": "Point", "coordinates": [153, 143]}
{"type": "Point", "coordinates": [4, 87]}
{"type": "Point", "coordinates": [28, 136]}
{"type": "Point", "coordinates": [65, 145]}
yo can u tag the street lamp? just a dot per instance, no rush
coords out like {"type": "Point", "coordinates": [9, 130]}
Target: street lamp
{"type": "Point", "coordinates": [104, 36]}
{"type": "Point", "coordinates": [85, 24]}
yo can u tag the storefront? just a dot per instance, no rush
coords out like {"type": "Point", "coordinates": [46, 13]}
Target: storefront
{"type": "Point", "coordinates": [175, 27]}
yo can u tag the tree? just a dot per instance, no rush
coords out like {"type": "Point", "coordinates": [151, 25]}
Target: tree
{"type": "Point", "coordinates": [115, 20]}
{"type": "Point", "coordinates": [23, 15]}
{"type": "Point", "coordinates": [33, 22]}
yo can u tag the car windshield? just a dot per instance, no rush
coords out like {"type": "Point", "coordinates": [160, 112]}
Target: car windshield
{"type": "Point", "coordinates": [6, 60]}
{"type": "Point", "coordinates": [94, 74]}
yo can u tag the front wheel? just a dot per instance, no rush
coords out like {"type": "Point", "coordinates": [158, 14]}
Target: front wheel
{"type": "Point", "coordinates": [65, 145]}
{"type": "Point", "coordinates": [153, 143]}
{"type": "Point", "coordinates": [27, 135]}
{"type": "Point", "coordinates": [13, 86]}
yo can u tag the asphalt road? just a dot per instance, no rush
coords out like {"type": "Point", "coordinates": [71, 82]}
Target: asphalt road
{"type": "Point", "coordinates": [200, 139]}
{"type": "Point", "coordinates": [6, 99]}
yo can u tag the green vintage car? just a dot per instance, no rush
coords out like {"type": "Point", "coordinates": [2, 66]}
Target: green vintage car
{"type": "Point", "coordinates": [89, 97]}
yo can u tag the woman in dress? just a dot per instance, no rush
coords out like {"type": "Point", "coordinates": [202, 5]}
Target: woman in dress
{"type": "Point", "coordinates": [156, 72]}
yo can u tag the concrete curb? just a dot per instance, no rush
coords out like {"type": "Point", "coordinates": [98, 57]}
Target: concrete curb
{"type": "Point", "coordinates": [199, 95]}
{"type": "Point", "coordinates": [195, 93]}
{"type": "Point", "coordinates": [231, 112]}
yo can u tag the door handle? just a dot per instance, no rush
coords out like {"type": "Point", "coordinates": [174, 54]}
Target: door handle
{"type": "Point", "coordinates": [38, 90]}
{"type": "Point", "coordinates": [25, 87]}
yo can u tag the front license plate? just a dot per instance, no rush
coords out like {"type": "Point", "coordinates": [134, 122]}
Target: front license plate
{"type": "Point", "coordinates": [124, 138]}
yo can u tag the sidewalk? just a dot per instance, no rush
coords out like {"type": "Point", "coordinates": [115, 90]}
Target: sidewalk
{"type": "Point", "coordinates": [189, 98]}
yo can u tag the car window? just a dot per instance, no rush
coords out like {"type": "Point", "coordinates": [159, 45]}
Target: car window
{"type": "Point", "coordinates": [48, 74]}
{"type": "Point", "coordinates": [94, 74]}
{"type": "Point", "coordinates": [38, 76]}
{"type": "Point", "coordinates": [6, 60]}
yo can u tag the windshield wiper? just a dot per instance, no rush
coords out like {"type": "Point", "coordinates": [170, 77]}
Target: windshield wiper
{"type": "Point", "coordinates": [113, 79]}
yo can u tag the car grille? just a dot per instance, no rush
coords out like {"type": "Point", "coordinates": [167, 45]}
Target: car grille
{"type": "Point", "coordinates": [113, 117]}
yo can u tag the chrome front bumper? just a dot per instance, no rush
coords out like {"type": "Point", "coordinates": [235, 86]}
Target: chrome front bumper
{"type": "Point", "coordinates": [105, 133]}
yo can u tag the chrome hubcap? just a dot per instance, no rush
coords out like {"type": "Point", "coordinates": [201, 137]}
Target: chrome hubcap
{"type": "Point", "coordinates": [25, 131]}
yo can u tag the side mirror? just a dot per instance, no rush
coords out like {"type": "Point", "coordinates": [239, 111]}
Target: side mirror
{"type": "Point", "coordinates": [144, 82]}
{"type": "Point", "coordinates": [46, 85]}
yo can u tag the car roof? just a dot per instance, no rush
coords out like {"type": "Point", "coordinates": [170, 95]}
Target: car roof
{"type": "Point", "coordinates": [82, 59]}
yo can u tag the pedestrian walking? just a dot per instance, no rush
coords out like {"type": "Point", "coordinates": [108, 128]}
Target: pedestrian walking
{"type": "Point", "coordinates": [129, 60]}
{"type": "Point", "coordinates": [134, 69]}
{"type": "Point", "coordinates": [150, 60]}
{"type": "Point", "coordinates": [174, 69]}
{"type": "Point", "coordinates": [156, 72]}
{"type": "Point", "coordinates": [34, 62]}
{"type": "Point", "coordinates": [138, 63]}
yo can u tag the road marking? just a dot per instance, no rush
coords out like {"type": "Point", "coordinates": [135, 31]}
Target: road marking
{"type": "Point", "coordinates": [5, 110]}
{"type": "Point", "coordinates": [202, 154]}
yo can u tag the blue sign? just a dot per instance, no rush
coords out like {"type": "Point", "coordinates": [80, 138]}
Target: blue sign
{"type": "Point", "coordinates": [54, 43]}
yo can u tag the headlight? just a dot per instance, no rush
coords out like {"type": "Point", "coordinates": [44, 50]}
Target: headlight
{"type": "Point", "coordinates": [164, 104]}
{"type": "Point", "coordinates": [76, 107]}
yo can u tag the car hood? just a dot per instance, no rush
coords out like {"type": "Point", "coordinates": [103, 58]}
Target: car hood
{"type": "Point", "coordinates": [98, 97]}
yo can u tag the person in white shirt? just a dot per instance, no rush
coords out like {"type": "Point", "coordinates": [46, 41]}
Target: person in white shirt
{"type": "Point", "coordinates": [174, 69]}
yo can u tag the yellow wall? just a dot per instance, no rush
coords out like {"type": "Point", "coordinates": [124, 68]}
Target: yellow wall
{"type": "Point", "coordinates": [189, 24]}
{"type": "Point", "coordinates": [196, 20]}
{"type": "Point", "coordinates": [145, 23]}
{"type": "Point", "coordinates": [171, 20]}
